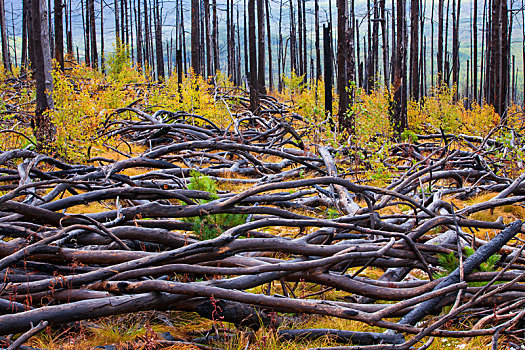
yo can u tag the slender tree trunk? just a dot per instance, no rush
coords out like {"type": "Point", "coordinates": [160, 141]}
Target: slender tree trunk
{"type": "Point", "coordinates": [246, 59]}
{"type": "Point", "coordinates": [25, 19]}
{"type": "Point", "coordinates": [327, 50]}
{"type": "Point", "coordinates": [44, 129]}
{"type": "Point", "coordinates": [293, 41]}
{"type": "Point", "coordinates": [195, 37]}
{"type": "Point", "coordinates": [260, 48]}
{"type": "Point", "coordinates": [455, 49]}
{"type": "Point", "coordinates": [253, 81]}
{"type": "Point", "coordinates": [102, 63]}
{"type": "Point", "coordinates": [384, 36]}
{"type": "Point", "coordinates": [59, 34]}
{"type": "Point", "coordinates": [475, 51]}
{"type": "Point", "coordinates": [270, 66]}
{"type": "Point", "coordinates": [215, 38]}
{"type": "Point", "coordinates": [209, 55]}
{"type": "Point", "coordinates": [440, 42]}
{"type": "Point", "coordinates": [138, 15]}
{"type": "Point", "coordinates": [375, 43]}
{"type": "Point", "coordinates": [499, 58]}
{"type": "Point", "coordinates": [85, 24]}
{"type": "Point", "coordinates": [346, 122]}
{"type": "Point", "coordinates": [117, 24]}
{"type": "Point", "coordinates": [280, 59]}
{"type": "Point", "coordinates": [5, 43]}
{"type": "Point", "coordinates": [398, 106]}
{"type": "Point", "coordinates": [158, 42]}
{"type": "Point", "coordinates": [414, 47]}
{"type": "Point", "coordinates": [318, 73]}
{"type": "Point", "coordinates": [146, 39]}
{"type": "Point", "coordinates": [93, 34]}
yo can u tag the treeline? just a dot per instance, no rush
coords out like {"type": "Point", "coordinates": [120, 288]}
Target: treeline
{"type": "Point", "coordinates": [387, 44]}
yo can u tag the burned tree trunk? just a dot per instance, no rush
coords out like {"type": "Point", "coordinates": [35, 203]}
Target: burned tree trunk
{"type": "Point", "coordinates": [498, 58]}
{"type": "Point", "coordinates": [158, 42]}
{"type": "Point", "coordinates": [440, 42]}
{"type": "Point", "coordinates": [346, 121]}
{"type": "Point", "coordinates": [195, 37]}
{"type": "Point", "coordinates": [44, 129]}
{"type": "Point", "coordinates": [260, 48]}
{"type": "Point", "coordinates": [318, 73]}
{"type": "Point", "coordinates": [59, 34]}
{"type": "Point", "coordinates": [253, 81]}
{"type": "Point", "coordinates": [398, 107]}
{"type": "Point", "coordinates": [208, 37]}
{"type": "Point", "coordinates": [414, 47]}
{"type": "Point", "coordinates": [327, 49]}
{"type": "Point", "coordinates": [455, 47]}
{"type": "Point", "coordinates": [93, 33]}
{"type": "Point", "coordinates": [270, 66]}
{"type": "Point", "coordinates": [5, 44]}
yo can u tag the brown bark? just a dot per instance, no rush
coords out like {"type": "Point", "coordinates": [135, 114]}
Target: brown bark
{"type": "Point", "coordinates": [93, 33]}
{"type": "Point", "coordinates": [195, 37]}
{"type": "Point", "coordinates": [59, 34]}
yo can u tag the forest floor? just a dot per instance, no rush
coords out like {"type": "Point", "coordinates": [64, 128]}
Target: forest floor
{"type": "Point", "coordinates": [187, 173]}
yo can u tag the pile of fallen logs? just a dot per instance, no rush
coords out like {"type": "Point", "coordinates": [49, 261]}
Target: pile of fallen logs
{"type": "Point", "coordinates": [136, 246]}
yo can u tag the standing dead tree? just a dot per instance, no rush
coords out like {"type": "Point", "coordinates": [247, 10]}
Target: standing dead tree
{"type": "Point", "coordinates": [44, 129]}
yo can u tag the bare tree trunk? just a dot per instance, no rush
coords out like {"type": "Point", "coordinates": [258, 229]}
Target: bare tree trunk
{"type": "Point", "coordinates": [117, 24]}
{"type": "Point", "coordinates": [270, 66]}
{"type": "Point", "coordinates": [138, 15]}
{"type": "Point", "coordinates": [280, 58]}
{"type": "Point", "coordinates": [318, 73]}
{"type": "Point", "coordinates": [384, 35]}
{"type": "Point", "coordinates": [93, 33]}
{"type": "Point", "coordinates": [102, 63]}
{"type": "Point", "coordinates": [327, 41]}
{"type": "Point", "coordinates": [455, 48]}
{"type": "Point", "coordinates": [147, 60]}
{"type": "Point", "coordinates": [215, 38]}
{"type": "Point", "coordinates": [158, 41]}
{"type": "Point", "coordinates": [5, 43]}
{"type": "Point", "coordinates": [261, 65]}
{"type": "Point", "coordinates": [85, 24]}
{"type": "Point", "coordinates": [246, 59]}
{"type": "Point", "coordinates": [346, 122]}
{"type": "Point", "coordinates": [208, 37]}
{"type": "Point", "coordinates": [499, 58]}
{"type": "Point", "coordinates": [398, 108]}
{"type": "Point", "coordinates": [44, 129]}
{"type": "Point", "coordinates": [195, 37]}
{"type": "Point", "coordinates": [59, 34]}
{"type": "Point", "coordinates": [475, 51]}
{"type": "Point", "coordinates": [253, 81]}
{"type": "Point", "coordinates": [440, 42]}
{"type": "Point", "coordinates": [293, 41]}
{"type": "Point", "coordinates": [25, 19]}
{"type": "Point", "coordinates": [300, 30]}
{"type": "Point", "coordinates": [414, 47]}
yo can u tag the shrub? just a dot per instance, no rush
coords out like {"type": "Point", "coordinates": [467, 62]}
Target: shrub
{"type": "Point", "coordinates": [210, 226]}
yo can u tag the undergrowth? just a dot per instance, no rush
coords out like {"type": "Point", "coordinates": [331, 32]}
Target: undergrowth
{"type": "Point", "coordinates": [208, 226]}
